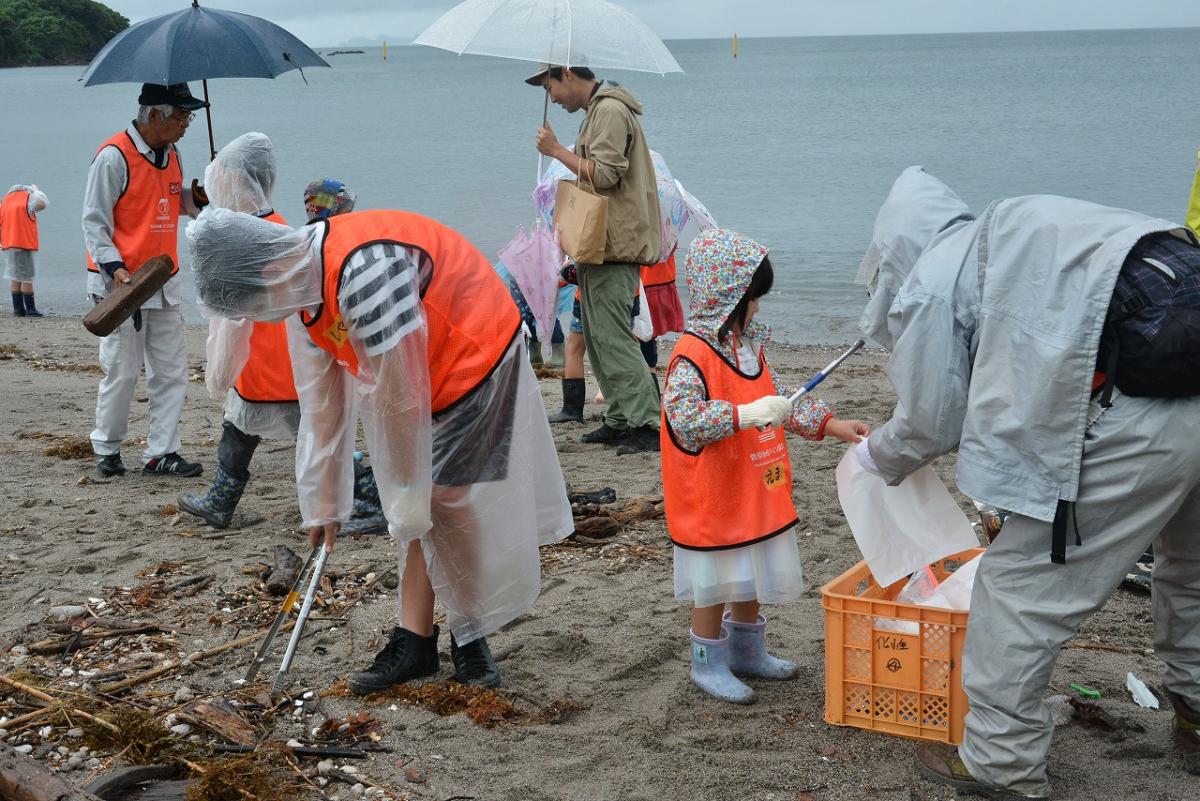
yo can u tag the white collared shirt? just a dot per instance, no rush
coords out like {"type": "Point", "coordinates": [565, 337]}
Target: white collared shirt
{"type": "Point", "coordinates": [106, 182]}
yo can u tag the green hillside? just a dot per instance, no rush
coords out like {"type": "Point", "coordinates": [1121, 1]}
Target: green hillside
{"type": "Point", "coordinates": [37, 32]}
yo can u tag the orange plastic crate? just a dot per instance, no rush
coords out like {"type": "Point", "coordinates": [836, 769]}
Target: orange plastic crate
{"type": "Point", "coordinates": [900, 683]}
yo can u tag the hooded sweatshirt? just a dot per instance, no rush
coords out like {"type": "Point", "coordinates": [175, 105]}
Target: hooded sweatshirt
{"type": "Point", "coordinates": [994, 325]}
{"type": "Point", "coordinates": [720, 266]}
{"type": "Point", "coordinates": [612, 135]}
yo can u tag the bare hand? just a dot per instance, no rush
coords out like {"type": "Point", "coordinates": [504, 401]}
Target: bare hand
{"type": "Point", "coordinates": [547, 142]}
{"type": "Point", "coordinates": [121, 275]}
{"type": "Point", "coordinates": [847, 430]}
{"type": "Point", "coordinates": [327, 533]}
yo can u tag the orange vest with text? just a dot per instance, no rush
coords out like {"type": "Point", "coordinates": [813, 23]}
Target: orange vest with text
{"type": "Point", "coordinates": [736, 491]}
{"type": "Point", "coordinates": [661, 273]}
{"type": "Point", "coordinates": [146, 216]}
{"type": "Point", "coordinates": [267, 376]}
{"type": "Point", "coordinates": [17, 228]}
{"type": "Point", "coordinates": [470, 315]}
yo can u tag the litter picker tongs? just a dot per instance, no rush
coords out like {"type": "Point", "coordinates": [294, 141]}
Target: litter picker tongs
{"type": "Point", "coordinates": [318, 555]}
{"type": "Point", "coordinates": [821, 376]}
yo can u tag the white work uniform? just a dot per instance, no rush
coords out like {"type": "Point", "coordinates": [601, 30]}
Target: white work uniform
{"type": "Point", "coordinates": [159, 345]}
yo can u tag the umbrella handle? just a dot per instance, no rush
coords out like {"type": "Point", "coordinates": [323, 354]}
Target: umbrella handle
{"type": "Point", "coordinates": [212, 148]}
{"type": "Point", "coordinates": [545, 122]}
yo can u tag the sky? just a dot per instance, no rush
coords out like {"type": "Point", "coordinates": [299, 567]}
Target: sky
{"type": "Point", "coordinates": [326, 23]}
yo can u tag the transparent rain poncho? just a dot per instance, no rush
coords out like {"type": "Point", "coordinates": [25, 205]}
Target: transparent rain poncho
{"type": "Point", "coordinates": [481, 526]}
{"type": "Point", "coordinates": [241, 178]}
{"type": "Point", "coordinates": [249, 268]}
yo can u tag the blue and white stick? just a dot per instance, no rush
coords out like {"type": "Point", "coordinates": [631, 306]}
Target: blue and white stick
{"type": "Point", "coordinates": [821, 376]}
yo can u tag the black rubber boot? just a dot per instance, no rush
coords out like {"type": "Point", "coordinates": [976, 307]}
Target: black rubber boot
{"type": "Point", "coordinates": [473, 663]}
{"type": "Point", "coordinates": [18, 304]}
{"type": "Point", "coordinates": [406, 656]}
{"type": "Point", "coordinates": [30, 308]}
{"type": "Point", "coordinates": [216, 507]}
{"type": "Point", "coordinates": [573, 390]}
{"type": "Point", "coordinates": [367, 517]}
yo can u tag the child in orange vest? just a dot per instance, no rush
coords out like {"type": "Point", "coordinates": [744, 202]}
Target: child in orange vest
{"type": "Point", "coordinates": [726, 473]}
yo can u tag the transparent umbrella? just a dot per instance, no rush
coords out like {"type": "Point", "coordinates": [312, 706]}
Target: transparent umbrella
{"type": "Point", "coordinates": [593, 33]}
{"type": "Point", "coordinates": [558, 32]}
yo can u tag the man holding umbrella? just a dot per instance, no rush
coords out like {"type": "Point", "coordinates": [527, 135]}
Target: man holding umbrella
{"type": "Point", "coordinates": [611, 152]}
{"type": "Point", "coordinates": [131, 206]}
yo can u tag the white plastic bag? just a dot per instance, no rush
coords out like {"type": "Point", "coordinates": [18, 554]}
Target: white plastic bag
{"type": "Point", "coordinates": [900, 529]}
{"type": "Point", "coordinates": [643, 325]}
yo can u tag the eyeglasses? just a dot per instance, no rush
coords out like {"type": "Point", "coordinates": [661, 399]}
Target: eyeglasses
{"type": "Point", "coordinates": [186, 117]}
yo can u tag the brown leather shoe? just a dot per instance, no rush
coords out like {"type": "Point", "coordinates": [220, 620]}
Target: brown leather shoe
{"type": "Point", "coordinates": [1186, 733]}
{"type": "Point", "coordinates": [941, 763]}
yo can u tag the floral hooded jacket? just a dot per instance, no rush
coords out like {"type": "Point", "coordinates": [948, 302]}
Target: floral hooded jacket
{"type": "Point", "coordinates": [719, 268]}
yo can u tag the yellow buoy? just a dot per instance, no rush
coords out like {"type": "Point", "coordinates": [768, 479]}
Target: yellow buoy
{"type": "Point", "coordinates": [735, 45]}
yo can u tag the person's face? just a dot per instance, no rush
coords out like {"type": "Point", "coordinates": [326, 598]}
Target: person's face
{"type": "Point", "coordinates": [751, 310]}
{"type": "Point", "coordinates": [564, 92]}
{"type": "Point", "coordinates": [170, 129]}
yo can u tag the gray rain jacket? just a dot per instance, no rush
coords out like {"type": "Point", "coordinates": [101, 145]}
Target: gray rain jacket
{"type": "Point", "coordinates": [994, 329]}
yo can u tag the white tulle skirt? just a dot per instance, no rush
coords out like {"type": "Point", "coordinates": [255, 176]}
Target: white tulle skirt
{"type": "Point", "coordinates": [769, 572]}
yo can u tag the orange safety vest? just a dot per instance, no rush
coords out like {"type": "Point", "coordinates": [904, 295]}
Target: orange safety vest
{"type": "Point", "coordinates": [661, 273]}
{"type": "Point", "coordinates": [734, 492]}
{"type": "Point", "coordinates": [146, 215]}
{"type": "Point", "coordinates": [17, 228]}
{"type": "Point", "coordinates": [267, 376]}
{"type": "Point", "coordinates": [470, 315]}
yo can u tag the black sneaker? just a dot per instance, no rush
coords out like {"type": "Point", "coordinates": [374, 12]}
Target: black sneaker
{"type": "Point", "coordinates": [110, 465]}
{"type": "Point", "coordinates": [172, 465]}
{"type": "Point", "coordinates": [406, 656]}
{"type": "Point", "coordinates": [605, 435]}
{"type": "Point", "coordinates": [473, 663]}
{"type": "Point", "coordinates": [643, 439]}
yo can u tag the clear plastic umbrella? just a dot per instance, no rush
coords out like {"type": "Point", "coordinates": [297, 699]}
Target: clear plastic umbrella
{"type": "Point", "coordinates": [592, 33]}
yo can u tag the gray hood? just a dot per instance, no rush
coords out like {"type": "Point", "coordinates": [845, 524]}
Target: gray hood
{"type": "Point", "coordinates": [917, 209]}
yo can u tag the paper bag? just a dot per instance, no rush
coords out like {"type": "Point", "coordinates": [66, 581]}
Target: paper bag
{"type": "Point", "coordinates": [581, 217]}
{"type": "Point", "coordinates": [904, 528]}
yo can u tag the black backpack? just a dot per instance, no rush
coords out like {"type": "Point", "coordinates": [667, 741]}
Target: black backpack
{"type": "Point", "coordinates": [1150, 346]}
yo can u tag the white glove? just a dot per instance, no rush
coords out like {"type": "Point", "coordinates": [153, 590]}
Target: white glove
{"type": "Point", "coordinates": [407, 512]}
{"type": "Point", "coordinates": [770, 410]}
{"type": "Point", "coordinates": [864, 457]}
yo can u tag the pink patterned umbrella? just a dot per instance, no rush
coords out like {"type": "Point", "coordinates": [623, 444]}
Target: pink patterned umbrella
{"type": "Point", "coordinates": [534, 259]}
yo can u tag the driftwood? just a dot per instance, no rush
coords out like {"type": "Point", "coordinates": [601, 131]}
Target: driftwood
{"type": "Point", "coordinates": [220, 717]}
{"type": "Point", "coordinates": [150, 675]}
{"type": "Point", "coordinates": [79, 639]}
{"type": "Point", "coordinates": [287, 565]}
{"type": "Point", "coordinates": [124, 299]}
{"type": "Point", "coordinates": [626, 511]}
{"type": "Point", "coordinates": [24, 779]}
{"type": "Point", "coordinates": [41, 696]}
{"type": "Point", "coordinates": [590, 529]}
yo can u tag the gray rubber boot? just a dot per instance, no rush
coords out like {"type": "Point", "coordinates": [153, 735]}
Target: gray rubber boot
{"type": "Point", "coordinates": [710, 671]}
{"type": "Point", "coordinates": [748, 651]}
{"type": "Point", "coordinates": [216, 507]}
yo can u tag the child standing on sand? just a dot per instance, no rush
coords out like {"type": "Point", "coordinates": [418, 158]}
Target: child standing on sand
{"type": "Point", "coordinates": [727, 477]}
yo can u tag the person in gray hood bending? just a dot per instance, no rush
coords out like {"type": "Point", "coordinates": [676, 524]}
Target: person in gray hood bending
{"type": "Point", "coordinates": [995, 327]}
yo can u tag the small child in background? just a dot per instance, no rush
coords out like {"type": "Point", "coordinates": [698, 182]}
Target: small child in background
{"type": "Point", "coordinates": [727, 477]}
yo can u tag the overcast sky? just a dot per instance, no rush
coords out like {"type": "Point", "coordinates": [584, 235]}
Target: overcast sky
{"type": "Point", "coordinates": [339, 22]}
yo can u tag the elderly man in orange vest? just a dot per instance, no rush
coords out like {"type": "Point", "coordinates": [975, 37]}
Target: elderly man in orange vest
{"type": "Point", "coordinates": [403, 322]}
{"type": "Point", "coordinates": [131, 206]}
{"type": "Point", "coordinates": [19, 241]}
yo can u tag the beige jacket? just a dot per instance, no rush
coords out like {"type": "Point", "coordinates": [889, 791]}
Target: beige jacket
{"type": "Point", "coordinates": [612, 136]}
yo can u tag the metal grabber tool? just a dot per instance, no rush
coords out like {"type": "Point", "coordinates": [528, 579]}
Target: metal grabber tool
{"type": "Point", "coordinates": [821, 376]}
{"type": "Point", "coordinates": [282, 679]}
{"type": "Point", "coordinates": [284, 610]}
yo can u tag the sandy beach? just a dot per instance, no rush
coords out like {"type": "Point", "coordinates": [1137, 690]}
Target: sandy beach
{"type": "Point", "coordinates": [598, 667]}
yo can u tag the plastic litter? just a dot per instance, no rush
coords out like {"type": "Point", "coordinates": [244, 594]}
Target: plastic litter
{"type": "Point", "coordinates": [925, 590]}
{"type": "Point", "coordinates": [1061, 711]}
{"type": "Point", "coordinates": [1085, 692]}
{"type": "Point", "coordinates": [1140, 692]}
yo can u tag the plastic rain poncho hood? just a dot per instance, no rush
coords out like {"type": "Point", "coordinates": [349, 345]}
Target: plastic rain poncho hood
{"type": "Point", "coordinates": [917, 209]}
{"type": "Point", "coordinates": [994, 330]}
{"type": "Point", "coordinates": [252, 269]}
{"type": "Point", "coordinates": [719, 267]}
{"type": "Point", "coordinates": [242, 176]}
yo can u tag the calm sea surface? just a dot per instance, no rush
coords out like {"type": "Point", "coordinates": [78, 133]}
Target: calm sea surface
{"type": "Point", "coordinates": [795, 142]}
